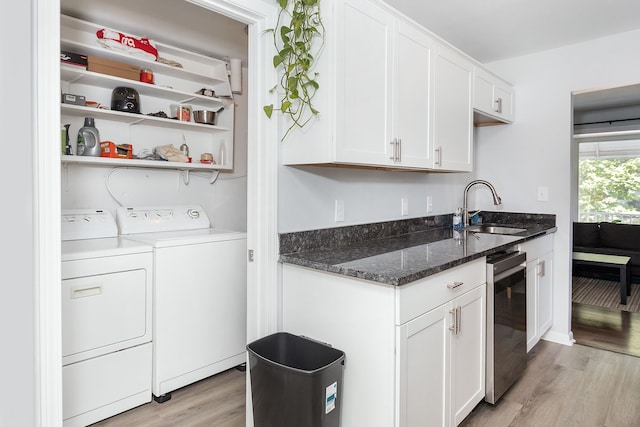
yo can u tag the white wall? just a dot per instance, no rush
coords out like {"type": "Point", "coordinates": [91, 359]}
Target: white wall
{"type": "Point", "coordinates": [18, 261]}
{"type": "Point", "coordinates": [307, 195]}
{"type": "Point", "coordinates": [536, 149]}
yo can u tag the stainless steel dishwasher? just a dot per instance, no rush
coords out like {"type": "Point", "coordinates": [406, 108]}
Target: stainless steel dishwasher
{"type": "Point", "coordinates": [506, 321]}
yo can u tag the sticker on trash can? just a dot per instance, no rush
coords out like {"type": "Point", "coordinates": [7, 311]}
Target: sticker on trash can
{"type": "Point", "coordinates": [330, 402]}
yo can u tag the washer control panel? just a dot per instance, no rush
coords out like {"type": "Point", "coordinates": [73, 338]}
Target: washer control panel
{"type": "Point", "coordinates": [133, 220]}
{"type": "Point", "coordinates": [80, 224]}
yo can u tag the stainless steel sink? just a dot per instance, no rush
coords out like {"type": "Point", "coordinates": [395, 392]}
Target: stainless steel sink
{"type": "Point", "coordinates": [495, 229]}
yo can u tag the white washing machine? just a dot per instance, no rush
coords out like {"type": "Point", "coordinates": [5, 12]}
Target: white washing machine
{"type": "Point", "coordinates": [106, 318]}
{"type": "Point", "coordinates": [199, 305]}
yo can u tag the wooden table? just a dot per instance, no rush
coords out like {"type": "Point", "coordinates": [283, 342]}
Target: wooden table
{"type": "Point", "coordinates": [611, 261]}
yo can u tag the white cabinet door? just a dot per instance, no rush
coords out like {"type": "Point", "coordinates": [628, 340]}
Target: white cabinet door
{"type": "Point", "coordinates": [493, 98]}
{"type": "Point", "coordinates": [412, 96]}
{"type": "Point", "coordinates": [532, 304]}
{"type": "Point", "coordinates": [363, 84]}
{"type": "Point", "coordinates": [545, 293]}
{"type": "Point", "coordinates": [441, 362]}
{"type": "Point", "coordinates": [424, 370]}
{"type": "Point", "coordinates": [539, 287]}
{"type": "Point", "coordinates": [503, 100]}
{"type": "Point", "coordinates": [452, 117]}
{"type": "Point", "coordinates": [468, 352]}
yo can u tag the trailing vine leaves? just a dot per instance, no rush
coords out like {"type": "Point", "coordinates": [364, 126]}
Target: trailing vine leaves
{"type": "Point", "coordinates": [298, 43]}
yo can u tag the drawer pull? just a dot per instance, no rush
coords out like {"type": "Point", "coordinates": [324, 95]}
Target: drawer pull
{"type": "Point", "coordinates": [86, 292]}
{"type": "Point", "coordinates": [454, 285]}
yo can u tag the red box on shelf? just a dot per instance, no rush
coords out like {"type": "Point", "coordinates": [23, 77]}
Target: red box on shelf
{"type": "Point", "coordinates": [120, 151]}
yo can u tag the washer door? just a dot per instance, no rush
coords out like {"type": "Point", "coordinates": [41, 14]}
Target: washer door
{"type": "Point", "coordinates": [103, 311]}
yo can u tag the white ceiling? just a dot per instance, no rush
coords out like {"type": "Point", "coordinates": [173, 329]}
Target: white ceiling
{"type": "Point", "coordinates": [490, 30]}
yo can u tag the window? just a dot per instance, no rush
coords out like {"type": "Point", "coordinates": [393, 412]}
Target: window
{"type": "Point", "coordinates": [609, 181]}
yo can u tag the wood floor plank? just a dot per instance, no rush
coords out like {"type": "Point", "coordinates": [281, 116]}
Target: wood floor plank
{"type": "Point", "coordinates": [608, 329]}
{"type": "Point", "coordinates": [563, 386]}
{"type": "Point", "coordinates": [216, 401]}
{"type": "Point", "coordinates": [566, 386]}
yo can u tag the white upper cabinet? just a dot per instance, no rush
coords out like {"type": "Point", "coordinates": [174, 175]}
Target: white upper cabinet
{"type": "Point", "coordinates": [493, 99]}
{"type": "Point", "coordinates": [364, 63]}
{"type": "Point", "coordinates": [412, 99]}
{"type": "Point", "coordinates": [379, 66]}
{"type": "Point", "coordinates": [452, 125]}
{"type": "Point", "coordinates": [392, 95]}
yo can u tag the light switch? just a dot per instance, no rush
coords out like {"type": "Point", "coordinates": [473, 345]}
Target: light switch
{"type": "Point", "coordinates": [405, 206]}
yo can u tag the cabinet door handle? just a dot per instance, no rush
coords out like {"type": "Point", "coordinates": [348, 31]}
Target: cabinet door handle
{"type": "Point", "coordinates": [454, 285]}
{"type": "Point", "coordinates": [394, 144]}
{"type": "Point", "coordinates": [438, 159]}
{"type": "Point", "coordinates": [399, 143]}
{"type": "Point", "coordinates": [499, 105]}
{"type": "Point", "coordinates": [454, 313]}
{"type": "Point", "coordinates": [541, 268]}
{"type": "Point", "coordinates": [88, 291]}
{"type": "Point", "coordinates": [458, 319]}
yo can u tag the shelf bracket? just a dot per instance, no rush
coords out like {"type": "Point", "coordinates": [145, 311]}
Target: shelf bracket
{"type": "Point", "coordinates": [185, 176]}
{"type": "Point", "coordinates": [214, 177]}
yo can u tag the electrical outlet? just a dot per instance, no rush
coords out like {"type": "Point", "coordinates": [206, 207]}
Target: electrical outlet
{"type": "Point", "coordinates": [405, 206]}
{"type": "Point", "coordinates": [339, 210]}
{"type": "Point", "coordinates": [543, 194]}
{"type": "Point", "coordinates": [429, 204]}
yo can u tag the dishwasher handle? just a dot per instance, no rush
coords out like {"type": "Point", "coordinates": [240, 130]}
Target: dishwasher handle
{"type": "Point", "coordinates": [509, 272]}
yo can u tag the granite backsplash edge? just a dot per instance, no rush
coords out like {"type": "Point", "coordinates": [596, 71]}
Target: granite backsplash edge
{"type": "Point", "coordinates": [327, 238]}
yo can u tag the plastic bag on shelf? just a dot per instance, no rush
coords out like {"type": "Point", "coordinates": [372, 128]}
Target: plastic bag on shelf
{"type": "Point", "coordinates": [140, 47]}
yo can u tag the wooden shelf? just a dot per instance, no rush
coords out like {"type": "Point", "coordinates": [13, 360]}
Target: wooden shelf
{"type": "Point", "coordinates": [177, 85]}
{"type": "Point", "coordinates": [75, 74]}
{"type": "Point", "coordinates": [136, 163]}
{"type": "Point", "coordinates": [80, 37]}
{"type": "Point", "coordinates": [137, 119]}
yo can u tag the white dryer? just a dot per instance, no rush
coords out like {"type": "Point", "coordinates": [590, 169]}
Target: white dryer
{"type": "Point", "coordinates": [199, 305]}
{"type": "Point", "coordinates": [106, 318]}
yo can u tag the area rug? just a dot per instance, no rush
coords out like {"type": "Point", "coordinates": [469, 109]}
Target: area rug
{"type": "Point", "coordinates": [604, 293]}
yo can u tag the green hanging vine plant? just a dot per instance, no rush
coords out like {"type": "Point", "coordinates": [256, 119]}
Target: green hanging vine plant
{"type": "Point", "coordinates": [298, 43]}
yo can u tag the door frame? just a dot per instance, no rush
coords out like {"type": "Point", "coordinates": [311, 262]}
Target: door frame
{"type": "Point", "coordinates": [262, 185]}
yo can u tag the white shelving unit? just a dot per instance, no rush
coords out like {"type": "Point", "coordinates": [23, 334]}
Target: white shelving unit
{"type": "Point", "coordinates": [173, 85]}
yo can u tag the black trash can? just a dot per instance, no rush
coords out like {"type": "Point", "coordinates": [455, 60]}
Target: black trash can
{"type": "Point", "coordinates": [295, 382]}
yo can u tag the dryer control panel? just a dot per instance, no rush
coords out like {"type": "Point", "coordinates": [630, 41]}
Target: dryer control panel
{"type": "Point", "coordinates": [133, 220]}
{"type": "Point", "coordinates": [80, 224]}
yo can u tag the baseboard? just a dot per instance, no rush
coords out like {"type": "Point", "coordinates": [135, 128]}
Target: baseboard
{"type": "Point", "coordinates": [559, 338]}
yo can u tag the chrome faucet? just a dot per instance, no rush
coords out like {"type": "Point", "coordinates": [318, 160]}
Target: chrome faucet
{"type": "Point", "coordinates": [465, 213]}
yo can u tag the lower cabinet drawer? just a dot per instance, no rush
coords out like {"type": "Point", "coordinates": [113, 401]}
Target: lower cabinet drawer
{"type": "Point", "coordinates": [98, 388]}
{"type": "Point", "coordinates": [423, 295]}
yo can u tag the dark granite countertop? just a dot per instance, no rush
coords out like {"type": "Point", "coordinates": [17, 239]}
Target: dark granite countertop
{"type": "Point", "coordinates": [398, 259]}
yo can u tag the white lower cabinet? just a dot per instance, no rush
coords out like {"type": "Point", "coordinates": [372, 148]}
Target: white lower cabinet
{"type": "Point", "coordinates": [441, 367]}
{"type": "Point", "coordinates": [539, 287]}
{"type": "Point", "coordinates": [415, 354]}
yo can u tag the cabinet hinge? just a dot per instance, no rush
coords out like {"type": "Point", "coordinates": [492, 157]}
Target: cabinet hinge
{"type": "Point", "coordinates": [250, 255]}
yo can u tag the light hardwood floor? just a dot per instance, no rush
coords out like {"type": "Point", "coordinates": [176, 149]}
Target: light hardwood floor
{"type": "Point", "coordinates": [562, 387]}
{"type": "Point", "coordinates": [568, 386]}
{"type": "Point", "coordinates": [217, 401]}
